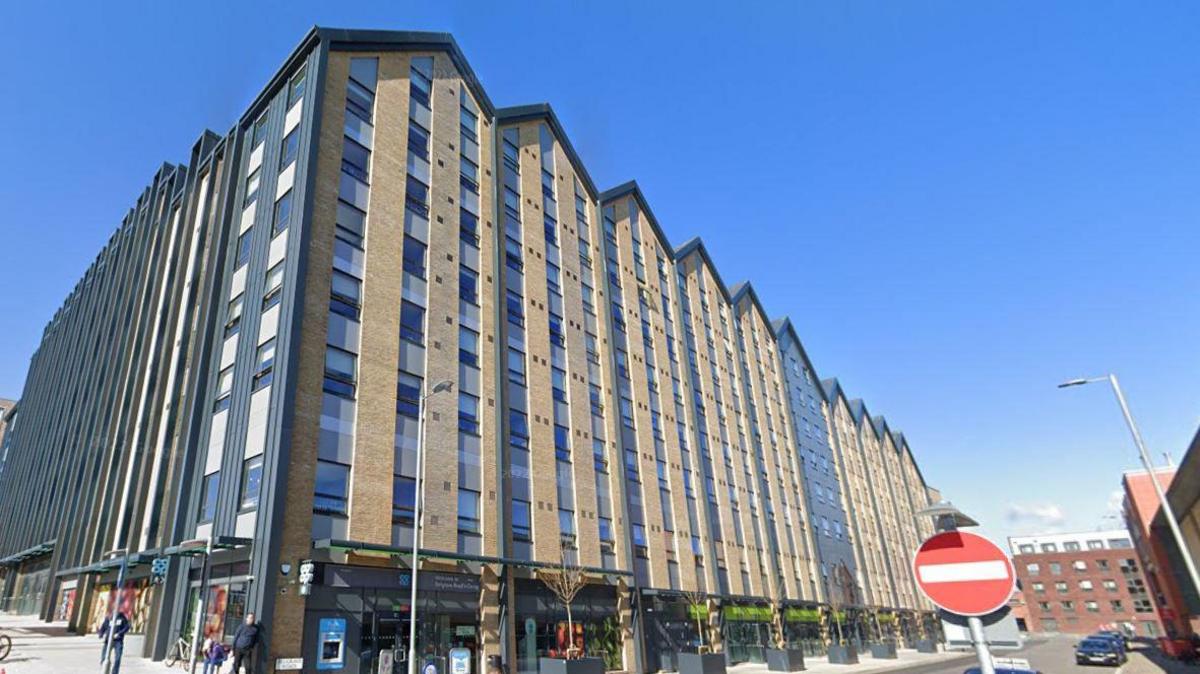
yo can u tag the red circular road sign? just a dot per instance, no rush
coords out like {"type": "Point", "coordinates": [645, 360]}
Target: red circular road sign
{"type": "Point", "coordinates": [964, 573]}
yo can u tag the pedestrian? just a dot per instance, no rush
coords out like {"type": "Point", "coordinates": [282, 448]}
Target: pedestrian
{"type": "Point", "coordinates": [214, 656]}
{"type": "Point", "coordinates": [245, 640]}
{"type": "Point", "coordinates": [119, 627]}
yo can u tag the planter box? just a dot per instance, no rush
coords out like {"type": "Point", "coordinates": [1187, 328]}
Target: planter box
{"type": "Point", "coordinates": [927, 646]}
{"type": "Point", "coordinates": [843, 655]}
{"type": "Point", "coordinates": [577, 666]}
{"type": "Point", "coordinates": [883, 651]}
{"type": "Point", "coordinates": [696, 663]}
{"type": "Point", "coordinates": [785, 660]}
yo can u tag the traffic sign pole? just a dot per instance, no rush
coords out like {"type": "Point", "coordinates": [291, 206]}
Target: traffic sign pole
{"type": "Point", "coordinates": [967, 575]}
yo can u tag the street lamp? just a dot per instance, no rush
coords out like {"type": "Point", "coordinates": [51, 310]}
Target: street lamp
{"type": "Point", "coordinates": [445, 385]}
{"type": "Point", "coordinates": [1145, 456]}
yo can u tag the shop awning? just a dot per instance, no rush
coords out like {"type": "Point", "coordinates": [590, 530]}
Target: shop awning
{"type": "Point", "coordinates": [131, 561]}
{"type": "Point", "coordinates": [363, 547]}
{"type": "Point", "coordinates": [29, 553]}
{"type": "Point", "coordinates": [198, 547]}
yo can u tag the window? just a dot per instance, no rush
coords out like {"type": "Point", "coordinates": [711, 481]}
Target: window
{"type": "Point", "coordinates": [566, 524]}
{"type": "Point", "coordinates": [291, 144]}
{"type": "Point", "coordinates": [1119, 543]}
{"type": "Point", "coordinates": [522, 526]}
{"type": "Point", "coordinates": [404, 499]}
{"type": "Point", "coordinates": [1110, 585]}
{"type": "Point", "coordinates": [606, 533]}
{"type": "Point", "coordinates": [468, 413]}
{"type": "Point", "coordinates": [1086, 585]}
{"type": "Point", "coordinates": [356, 160]}
{"type": "Point", "coordinates": [251, 482]}
{"type": "Point", "coordinates": [562, 443]}
{"type": "Point", "coordinates": [1092, 606]}
{"type": "Point", "coordinates": [421, 80]}
{"type": "Point", "coordinates": [1071, 546]}
{"type": "Point", "coordinates": [274, 286]}
{"type": "Point", "coordinates": [208, 497]}
{"type": "Point", "coordinates": [339, 372]}
{"type": "Point", "coordinates": [1095, 544]}
{"type": "Point", "coordinates": [558, 384]}
{"type": "Point", "coordinates": [468, 347]}
{"type": "Point", "coordinates": [1060, 587]}
{"type": "Point", "coordinates": [1079, 565]}
{"type": "Point", "coordinates": [264, 364]}
{"type": "Point", "coordinates": [412, 322]}
{"type": "Point", "coordinates": [243, 249]}
{"type": "Point", "coordinates": [332, 488]}
{"type": "Point", "coordinates": [418, 141]}
{"type": "Point", "coordinates": [1117, 606]}
{"type": "Point", "coordinates": [516, 366]}
{"type": "Point", "coordinates": [416, 197]}
{"type": "Point", "coordinates": [345, 292]}
{"type": "Point", "coordinates": [224, 387]}
{"type": "Point", "coordinates": [1049, 547]}
{"type": "Point", "coordinates": [414, 257]}
{"type": "Point", "coordinates": [470, 175]}
{"type": "Point", "coordinates": [515, 309]}
{"type": "Point", "coordinates": [468, 227]}
{"type": "Point", "coordinates": [512, 255]}
{"type": "Point", "coordinates": [1102, 564]}
{"type": "Point", "coordinates": [283, 214]}
{"type": "Point", "coordinates": [234, 322]}
{"type": "Point", "coordinates": [468, 286]}
{"type": "Point", "coordinates": [1026, 549]}
{"type": "Point", "coordinates": [260, 131]}
{"type": "Point", "coordinates": [408, 395]}
{"type": "Point", "coordinates": [253, 181]}
{"type": "Point", "coordinates": [1055, 569]}
{"type": "Point", "coordinates": [1068, 606]}
{"type": "Point", "coordinates": [1039, 587]}
{"type": "Point", "coordinates": [296, 88]}
{"type": "Point", "coordinates": [468, 511]}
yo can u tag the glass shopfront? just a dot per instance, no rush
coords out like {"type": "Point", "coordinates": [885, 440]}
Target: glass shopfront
{"type": "Point", "coordinates": [853, 627]}
{"type": "Point", "coordinates": [802, 630]}
{"type": "Point", "coordinates": [541, 625]}
{"type": "Point", "coordinates": [671, 628]}
{"type": "Point", "coordinates": [747, 630]}
{"type": "Point", "coordinates": [909, 628]}
{"type": "Point", "coordinates": [228, 587]}
{"type": "Point", "coordinates": [358, 621]}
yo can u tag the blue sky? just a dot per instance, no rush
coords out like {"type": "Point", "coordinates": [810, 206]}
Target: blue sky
{"type": "Point", "coordinates": [958, 204]}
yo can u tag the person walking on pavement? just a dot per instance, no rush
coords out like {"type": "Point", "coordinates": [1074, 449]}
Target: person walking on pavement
{"type": "Point", "coordinates": [119, 626]}
{"type": "Point", "coordinates": [245, 641]}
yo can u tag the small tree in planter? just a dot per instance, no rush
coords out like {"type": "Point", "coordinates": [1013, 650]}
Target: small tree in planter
{"type": "Point", "coordinates": [565, 581]}
{"type": "Point", "coordinates": [837, 587]}
{"type": "Point", "coordinates": [886, 648]}
{"type": "Point", "coordinates": [702, 661]}
{"type": "Point", "coordinates": [697, 601]}
{"type": "Point", "coordinates": [781, 658]}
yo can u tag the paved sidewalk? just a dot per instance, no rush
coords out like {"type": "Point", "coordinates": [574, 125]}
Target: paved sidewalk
{"type": "Point", "coordinates": [47, 648]}
{"type": "Point", "coordinates": [906, 660]}
{"type": "Point", "coordinates": [1151, 660]}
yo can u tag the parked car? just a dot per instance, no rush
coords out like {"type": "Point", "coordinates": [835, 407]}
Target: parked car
{"type": "Point", "coordinates": [1116, 639]}
{"type": "Point", "coordinates": [1098, 650]}
{"type": "Point", "coordinates": [1119, 636]}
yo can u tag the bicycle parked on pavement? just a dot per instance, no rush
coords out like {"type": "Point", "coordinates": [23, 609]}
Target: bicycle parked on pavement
{"type": "Point", "coordinates": [5, 645]}
{"type": "Point", "coordinates": [180, 653]}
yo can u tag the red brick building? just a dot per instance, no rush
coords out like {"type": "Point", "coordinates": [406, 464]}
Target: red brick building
{"type": "Point", "coordinates": [1141, 508]}
{"type": "Point", "coordinates": [1084, 582]}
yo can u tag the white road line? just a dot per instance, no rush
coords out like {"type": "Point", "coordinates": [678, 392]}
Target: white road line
{"type": "Point", "coordinates": [963, 571]}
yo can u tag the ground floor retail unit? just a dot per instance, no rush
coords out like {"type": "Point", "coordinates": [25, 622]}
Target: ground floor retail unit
{"type": "Point", "coordinates": [356, 616]}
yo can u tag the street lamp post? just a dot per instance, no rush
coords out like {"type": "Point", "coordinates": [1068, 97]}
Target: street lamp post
{"type": "Point", "coordinates": [441, 386]}
{"type": "Point", "coordinates": [1145, 457]}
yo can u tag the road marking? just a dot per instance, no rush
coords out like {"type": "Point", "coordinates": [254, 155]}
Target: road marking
{"type": "Point", "coordinates": [963, 571]}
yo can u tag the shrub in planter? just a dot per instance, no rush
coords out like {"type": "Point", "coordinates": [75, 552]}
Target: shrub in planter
{"type": "Point", "coordinates": [886, 650]}
{"type": "Point", "coordinates": [927, 646]}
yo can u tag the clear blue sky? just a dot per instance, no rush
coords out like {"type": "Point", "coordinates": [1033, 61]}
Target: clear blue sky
{"type": "Point", "coordinates": [958, 204]}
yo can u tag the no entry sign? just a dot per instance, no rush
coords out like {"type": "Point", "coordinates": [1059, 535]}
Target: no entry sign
{"type": "Point", "coordinates": [964, 573]}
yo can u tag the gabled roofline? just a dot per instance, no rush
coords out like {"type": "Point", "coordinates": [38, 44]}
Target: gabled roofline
{"type": "Point", "coordinates": [902, 442]}
{"type": "Point", "coordinates": [523, 113]}
{"type": "Point", "coordinates": [353, 39]}
{"type": "Point", "coordinates": [743, 288]}
{"type": "Point", "coordinates": [833, 390]}
{"type": "Point", "coordinates": [629, 188]}
{"type": "Point", "coordinates": [696, 245]}
{"type": "Point", "coordinates": [783, 328]}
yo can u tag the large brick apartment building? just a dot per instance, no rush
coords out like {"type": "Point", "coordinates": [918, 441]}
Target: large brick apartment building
{"type": "Point", "coordinates": [248, 362]}
{"type": "Point", "coordinates": [1079, 583]}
